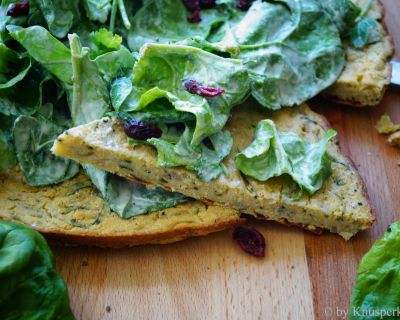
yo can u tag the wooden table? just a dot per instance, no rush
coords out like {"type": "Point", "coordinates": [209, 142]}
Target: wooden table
{"type": "Point", "coordinates": [303, 276]}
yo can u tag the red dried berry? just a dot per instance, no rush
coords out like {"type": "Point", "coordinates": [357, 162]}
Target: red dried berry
{"type": "Point", "coordinates": [250, 240]}
{"type": "Point", "coordinates": [207, 4]}
{"type": "Point", "coordinates": [18, 9]}
{"type": "Point", "coordinates": [194, 87]}
{"type": "Point", "coordinates": [193, 6]}
{"type": "Point", "coordinates": [243, 4]}
{"type": "Point", "coordinates": [140, 130]}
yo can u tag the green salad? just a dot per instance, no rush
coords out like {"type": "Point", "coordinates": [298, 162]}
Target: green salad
{"type": "Point", "coordinates": [173, 70]}
{"type": "Point", "coordinates": [31, 289]}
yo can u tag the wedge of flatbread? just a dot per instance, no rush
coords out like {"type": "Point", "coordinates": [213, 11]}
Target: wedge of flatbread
{"type": "Point", "coordinates": [73, 212]}
{"type": "Point", "coordinates": [341, 206]}
{"type": "Point", "coordinates": [367, 73]}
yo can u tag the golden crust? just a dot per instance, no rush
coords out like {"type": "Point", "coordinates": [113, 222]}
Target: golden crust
{"type": "Point", "coordinates": [73, 213]}
{"type": "Point", "coordinates": [340, 206]}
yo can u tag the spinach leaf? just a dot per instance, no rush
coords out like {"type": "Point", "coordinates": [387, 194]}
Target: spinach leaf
{"type": "Point", "coordinates": [129, 199]}
{"type": "Point", "coordinates": [292, 51]}
{"type": "Point", "coordinates": [165, 21]}
{"type": "Point", "coordinates": [13, 66]}
{"type": "Point", "coordinates": [7, 155]}
{"type": "Point", "coordinates": [33, 138]}
{"type": "Point", "coordinates": [89, 88]}
{"type": "Point", "coordinates": [364, 32]}
{"type": "Point", "coordinates": [60, 15]}
{"type": "Point", "coordinates": [161, 71]}
{"type": "Point", "coordinates": [378, 279]}
{"type": "Point", "coordinates": [176, 150]}
{"type": "Point", "coordinates": [30, 286]}
{"type": "Point", "coordinates": [274, 153]}
{"type": "Point", "coordinates": [343, 13]}
{"type": "Point", "coordinates": [52, 54]}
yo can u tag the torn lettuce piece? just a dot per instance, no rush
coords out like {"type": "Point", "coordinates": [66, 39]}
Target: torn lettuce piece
{"type": "Point", "coordinates": [174, 149]}
{"type": "Point", "coordinates": [105, 41]}
{"type": "Point", "coordinates": [129, 199]}
{"type": "Point", "coordinates": [364, 32]}
{"type": "Point", "coordinates": [292, 51]}
{"type": "Point", "coordinates": [160, 72]}
{"type": "Point", "coordinates": [273, 153]}
{"type": "Point", "coordinates": [165, 21]}
{"type": "Point", "coordinates": [377, 286]}
{"type": "Point", "coordinates": [33, 138]}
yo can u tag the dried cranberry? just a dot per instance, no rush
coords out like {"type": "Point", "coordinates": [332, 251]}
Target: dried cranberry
{"type": "Point", "coordinates": [207, 4]}
{"type": "Point", "coordinates": [243, 4]}
{"type": "Point", "coordinates": [18, 9]}
{"type": "Point", "coordinates": [140, 130]}
{"type": "Point", "coordinates": [194, 87]}
{"type": "Point", "coordinates": [193, 6]}
{"type": "Point", "coordinates": [250, 240]}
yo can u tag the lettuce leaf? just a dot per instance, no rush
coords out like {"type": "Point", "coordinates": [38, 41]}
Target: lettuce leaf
{"type": "Point", "coordinates": [160, 72]}
{"type": "Point", "coordinates": [273, 153]}
{"type": "Point", "coordinates": [174, 149]}
{"type": "Point", "coordinates": [378, 279]}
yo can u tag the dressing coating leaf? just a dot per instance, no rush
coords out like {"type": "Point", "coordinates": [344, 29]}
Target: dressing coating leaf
{"type": "Point", "coordinates": [161, 70]}
{"type": "Point", "coordinates": [174, 149]}
{"type": "Point", "coordinates": [274, 153]}
{"type": "Point", "coordinates": [33, 138]}
{"type": "Point", "coordinates": [298, 56]}
{"type": "Point", "coordinates": [129, 199]}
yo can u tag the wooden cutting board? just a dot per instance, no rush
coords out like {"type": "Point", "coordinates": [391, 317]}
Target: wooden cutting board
{"type": "Point", "coordinates": [303, 276]}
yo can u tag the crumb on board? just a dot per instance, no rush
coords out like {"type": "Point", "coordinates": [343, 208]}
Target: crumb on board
{"type": "Point", "coordinates": [385, 125]}
{"type": "Point", "coordinates": [394, 139]}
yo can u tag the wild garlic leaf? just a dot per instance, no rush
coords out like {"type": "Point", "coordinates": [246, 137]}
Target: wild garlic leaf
{"type": "Point", "coordinates": [204, 160]}
{"type": "Point", "coordinates": [129, 199]}
{"type": "Point", "coordinates": [165, 21]}
{"type": "Point", "coordinates": [378, 278]}
{"type": "Point", "coordinates": [51, 53]}
{"type": "Point", "coordinates": [161, 70]}
{"type": "Point", "coordinates": [273, 153]}
{"type": "Point", "coordinates": [33, 138]}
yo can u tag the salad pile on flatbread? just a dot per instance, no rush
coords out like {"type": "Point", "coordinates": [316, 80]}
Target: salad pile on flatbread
{"type": "Point", "coordinates": [176, 117]}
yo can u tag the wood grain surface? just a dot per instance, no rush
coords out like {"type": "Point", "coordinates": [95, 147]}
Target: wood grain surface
{"type": "Point", "coordinates": [303, 276]}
